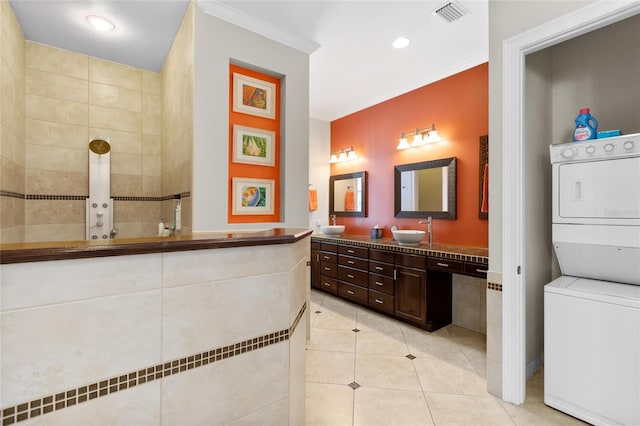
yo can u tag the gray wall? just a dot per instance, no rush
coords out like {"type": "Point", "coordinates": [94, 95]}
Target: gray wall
{"type": "Point", "coordinates": [319, 169]}
{"type": "Point", "coordinates": [218, 43]}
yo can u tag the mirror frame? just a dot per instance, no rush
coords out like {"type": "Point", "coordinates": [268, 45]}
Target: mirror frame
{"type": "Point", "coordinates": [451, 195]}
{"type": "Point", "coordinates": [355, 175]}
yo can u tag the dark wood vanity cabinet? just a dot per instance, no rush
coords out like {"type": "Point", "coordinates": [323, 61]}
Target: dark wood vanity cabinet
{"type": "Point", "coordinates": [353, 274]}
{"type": "Point", "coordinates": [324, 266]}
{"type": "Point", "coordinates": [411, 287]}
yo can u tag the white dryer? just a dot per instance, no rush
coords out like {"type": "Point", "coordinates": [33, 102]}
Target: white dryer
{"type": "Point", "coordinates": [592, 312]}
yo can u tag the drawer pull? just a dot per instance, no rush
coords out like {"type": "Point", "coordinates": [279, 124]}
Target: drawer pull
{"type": "Point", "coordinates": [379, 268]}
{"type": "Point", "coordinates": [327, 284]}
{"type": "Point", "coordinates": [350, 262]}
{"type": "Point", "coordinates": [482, 271]}
{"type": "Point", "coordinates": [326, 268]}
{"type": "Point", "coordinates": [444, 265]}
{"type": "Point", "coordinates": [350, 251]}
{"type": "Point", "coordinates": [350, 292]}
{"type": "Point", "coordinates": [350, 276]}
{"type": "Point", "coordinates": [379, 301]}
{"type": "Point", "coordinates": [379, 283]}
{"type": "Point", "coordinates": [326, 257]}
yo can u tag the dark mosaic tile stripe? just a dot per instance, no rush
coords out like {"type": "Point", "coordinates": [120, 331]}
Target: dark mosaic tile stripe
{"type": "Point", "coordinates": [84, 197]}
{"type": "Point", "coordinates": [69, 398]}
{"type": "Point", "coordinates": [410, 250]}
{"type": "Point", "coordinates": [494, 286]}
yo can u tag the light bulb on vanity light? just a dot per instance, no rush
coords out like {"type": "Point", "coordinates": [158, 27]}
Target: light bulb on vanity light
{"type": "Point", "coordinates": [403, 143]}
{"type": "Point", "coordinates": [417, 139]}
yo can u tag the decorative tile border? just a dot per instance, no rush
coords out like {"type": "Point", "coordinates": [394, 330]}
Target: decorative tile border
{"type": "Point", "coordinates": [408, 250]}
{"type": "Point", "coordinates": [84, 197]}
{"type": "Point", "coordinates": [69, 398]}
{"type": "Point", "coordinates": [494, 286]}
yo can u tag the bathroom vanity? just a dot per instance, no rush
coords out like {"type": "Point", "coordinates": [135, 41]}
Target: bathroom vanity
{"type": "Point", "coordinates": [200, 329]}
{"type": "Point", "coordinates": [412, 284]}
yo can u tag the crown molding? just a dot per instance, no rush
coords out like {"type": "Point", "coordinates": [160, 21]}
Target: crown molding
{"type": "Point", "coordinates": [258, 26]}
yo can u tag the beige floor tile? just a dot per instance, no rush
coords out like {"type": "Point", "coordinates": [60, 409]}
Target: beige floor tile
{"type": "Point", "coordinates": [449, 376]}
{"type": "Point", "coordinates": [335, 319]}
{"type": "Point", "coordinates": [339, 305]}
{"type": "Point", "coordinates": [329, 405]}
{"type": "Point", "coordinates": [537, 413]}
{"type": "Point", "coordinates": [330, 367]}
{"type": "Point", "coordinates": [373, 342]}
{"type": "Point", "coordinates": [324, 339]}
{"type": "Point", "coordinates": [389, 407]}
{"type": "Point", "coordinates": [383, 371]}
{"type": "Point", "coordinates": [373, 321]}
{"type": "Point", "coordinates": [434, 346]}
{"type": "Point", "coordinates": [465, 410]}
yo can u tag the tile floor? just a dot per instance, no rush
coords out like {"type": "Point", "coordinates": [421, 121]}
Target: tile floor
{"type": "Point", "coordinates": [368, 369]}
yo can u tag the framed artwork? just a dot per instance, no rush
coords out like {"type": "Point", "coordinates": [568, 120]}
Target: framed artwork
{"type": "Point", "coordinates": [253, 96]}
{"type": "Point", "coordinates": [253, 146]}
{"type": "Point", "coordinates": [252, 196]}
{"type": "Point", "coordinates": [484, 178]}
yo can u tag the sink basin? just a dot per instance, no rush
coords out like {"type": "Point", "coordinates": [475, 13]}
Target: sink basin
{"type": "Point", "coordinates": [408, 237]}
{"type": "Point", "coordinates": [333, 230]}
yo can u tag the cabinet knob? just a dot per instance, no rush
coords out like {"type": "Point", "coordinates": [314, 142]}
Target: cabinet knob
{"type": "Point", "coordinates": [444, 265]}
{"type": "Point", "coordinates": [350, 276]}
{"type": "Point", "coordinates": [350, 262]}
{"type": "Point", "coordinates": [379, 283]}
{"type": "Point", "coordinates": [350, 292]}
{"type": "Point", "coordinates": [379, 268]}
{"type": "Point", "coordinates": [379, 301]}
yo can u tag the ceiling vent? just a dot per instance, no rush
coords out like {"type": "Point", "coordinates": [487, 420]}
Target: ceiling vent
{"type": "Point", "coordinates": [450, 11]}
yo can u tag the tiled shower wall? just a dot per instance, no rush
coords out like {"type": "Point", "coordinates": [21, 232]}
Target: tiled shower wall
{"type": "Point", "coordinates": [71, 98]}
{"type": "Point", "coordinates": [12, 152]}
{"type": "Point", "coordinates": [54, 101]}
{"type": "Point", "coordinates": [177, 122]}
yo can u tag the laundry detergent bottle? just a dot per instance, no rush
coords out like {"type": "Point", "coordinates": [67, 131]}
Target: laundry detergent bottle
{"type": "Point", "coordinates": [586, 126]}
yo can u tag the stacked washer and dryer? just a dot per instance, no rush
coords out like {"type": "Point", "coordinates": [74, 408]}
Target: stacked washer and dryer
{"type": "Point", "coordinates": [592, 312]}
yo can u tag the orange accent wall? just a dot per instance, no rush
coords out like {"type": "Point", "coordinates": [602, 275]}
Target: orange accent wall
{"type": "Point", "coordinates": [249, 170]}
{"type": "Point", "coordinates": [458, 106]}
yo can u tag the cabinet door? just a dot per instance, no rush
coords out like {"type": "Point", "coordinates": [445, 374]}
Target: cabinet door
{"type": "Point", "coordinates": [315, 269]}
{"type": "Point", "coordinates": [411, 295]}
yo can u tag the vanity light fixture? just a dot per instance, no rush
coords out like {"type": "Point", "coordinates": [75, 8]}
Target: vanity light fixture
{"type": "Point", "coordinates": [99, 23]}
{"type": "Point", "coordinates": [421, 137]}
{"type": "Point", "coordinates": [344, 154]}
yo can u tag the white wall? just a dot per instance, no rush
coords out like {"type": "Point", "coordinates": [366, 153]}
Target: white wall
{"type": "Point", "coordinates": [319, 169]}
{"type": "Point", "coordinates": [217, 44]}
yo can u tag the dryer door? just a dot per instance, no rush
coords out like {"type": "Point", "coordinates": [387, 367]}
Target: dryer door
{"type": "Point", "coordinates": [598, 192]}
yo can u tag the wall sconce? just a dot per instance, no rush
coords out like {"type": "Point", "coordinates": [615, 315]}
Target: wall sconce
{"type": "Point", "coordinates": [420, 137]}
{"type": "Point", "coordinates": [345, 154]}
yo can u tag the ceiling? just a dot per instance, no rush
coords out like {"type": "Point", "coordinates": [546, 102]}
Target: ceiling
{"type": "Point", "coordinates": [352, 63]}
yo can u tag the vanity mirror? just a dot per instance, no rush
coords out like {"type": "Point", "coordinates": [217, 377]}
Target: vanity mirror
{"type": "Point", "coordinates": [348, 194]}
{"type": "Point", "coordinates": [426, 189]}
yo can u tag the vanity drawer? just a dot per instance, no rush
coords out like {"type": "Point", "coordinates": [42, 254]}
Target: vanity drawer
{"type": "Point", "coordinates": [353, 276]}
{"type": "Point", "coordinates": [381, 256]}
{"type": "Point", "coordinates": [445, 265]}
{"type": "Point", "coordinates": [353, 292]}
{"type": "Point", "coordinates": [381, 301]}
{"type": "Point", "coordinates": [381, 283]}
{"type": "Point", "coordinates": [329, 284]}
{"type": "Point", "coordinates": [475, 269]}
{"type": "Point", "coordinates": [331, 247]}
{"type": "Point", "coordinates": [411, 260]}
{"type": "Point", "coordinates": [329, 269]}
{"type": "Point", "coordinates": [328, 257]}
{"type": "Point", "coordinates": [353, 262]}
{"type": "Point", "coordinates": [381, 268]}
{"type": "Point", "coordinates": [315, 245]}
{"type": "Point", "coordinates": [354, 251]}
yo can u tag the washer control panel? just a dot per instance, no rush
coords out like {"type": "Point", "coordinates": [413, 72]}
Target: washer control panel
{"type": "Point", "coordinates": [619, 146]}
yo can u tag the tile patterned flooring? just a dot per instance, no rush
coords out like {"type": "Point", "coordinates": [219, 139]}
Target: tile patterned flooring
{"type": "Point", "coordinates": [367, 369]}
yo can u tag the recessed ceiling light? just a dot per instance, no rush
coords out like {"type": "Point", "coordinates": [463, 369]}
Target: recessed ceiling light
{"type": "Point", "coordinates": [100, 23]}
{"type": "Point", "coordinates": [400, 42]}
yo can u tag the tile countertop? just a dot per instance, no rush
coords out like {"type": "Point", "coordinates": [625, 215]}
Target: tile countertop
{"type": "Point", "coordinates": [59, 250]}
{"type": "Point", "coordinates": [445, 251]}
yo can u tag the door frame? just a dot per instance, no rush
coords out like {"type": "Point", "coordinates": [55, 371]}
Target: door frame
{"type": "Point", "coordinates": [584, 20]}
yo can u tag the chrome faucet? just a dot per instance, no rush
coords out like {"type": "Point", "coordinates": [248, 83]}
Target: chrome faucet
{"type": "Point", "coordinates": [333, 219]}
{"type": "Point", "coordinates": [429, 228]}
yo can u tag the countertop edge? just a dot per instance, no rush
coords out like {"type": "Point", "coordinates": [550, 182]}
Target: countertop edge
{"type": "Point", "coordinates": [467, 254]}
{"type": "Point", "coordinates": [64, 250]}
